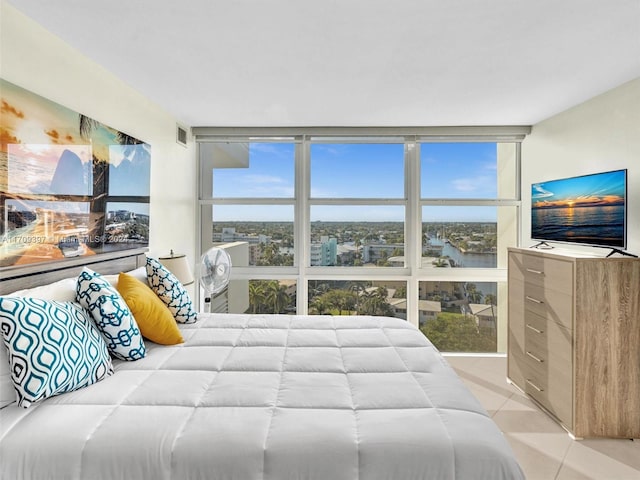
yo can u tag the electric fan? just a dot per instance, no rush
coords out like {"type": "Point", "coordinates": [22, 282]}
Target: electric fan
{"type": "Point", "coordinates": [214, 271]}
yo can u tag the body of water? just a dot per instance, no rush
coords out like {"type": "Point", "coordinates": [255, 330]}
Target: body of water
{"type": "Point", "coordinates": [599, 224]}
{"type": "Point", "coordinates": [466, 260]}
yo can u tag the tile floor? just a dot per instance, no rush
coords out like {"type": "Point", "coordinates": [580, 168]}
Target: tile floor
{"type": "Point", "coordinates": [544, 450]}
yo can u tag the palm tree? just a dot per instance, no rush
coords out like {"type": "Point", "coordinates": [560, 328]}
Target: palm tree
{"type": "Point", "coordinates": [319, 305]}
{"type": "Point", "coordinates": [473, 294]}
{"type": "Point", "coordinates": [490, 299]}
{"type": "Point", "coordinates": [357, 288]}
{"type": "Point", "coordinates": [256, 296]}
{"type": "Point", "coordinates": [98, 204]}
{"type": "Point", "coordinates": [375, 303]}
{"type": "Point", "coordinates": [276, 296]}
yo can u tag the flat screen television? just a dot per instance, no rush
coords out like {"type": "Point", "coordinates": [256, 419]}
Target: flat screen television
{"type": "Point", "coordinates": [588, 210]}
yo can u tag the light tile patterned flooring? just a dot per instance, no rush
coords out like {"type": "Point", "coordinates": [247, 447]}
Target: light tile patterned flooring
{"type": "Point", "coordinates": [544, 450]}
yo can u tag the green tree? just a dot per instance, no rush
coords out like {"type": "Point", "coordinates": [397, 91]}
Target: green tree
{"type": "Point", "coordinates": [276, 297]}
{"type": "Point", "coordinates": [491, 299]}
{"type": "Point", "coordinates": [256, 296]}
{"type": "Point", "coordinates": [473, 294]}
{"type": "Point", "coordinates": [401, 292]}
{"type": "Point", "coordinates": [453, 332]}
{"type": "Point", "coordinates": [319, 306]}
{"type": "Point", "coordinates": [340, 300]}
{"type": "Point", "coordinates": [375, 303]}
{"type": "Point", "coordinates": [440, 262]}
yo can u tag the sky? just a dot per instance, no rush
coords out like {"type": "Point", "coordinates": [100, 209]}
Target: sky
{"type": "Point", "coordinates": [460, 170]}
{"type": "Point", "coordinates": [607, 188]}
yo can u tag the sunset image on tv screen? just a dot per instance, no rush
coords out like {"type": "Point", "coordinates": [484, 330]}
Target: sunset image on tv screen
{"type": "Point", "coordinates": [588, 209]}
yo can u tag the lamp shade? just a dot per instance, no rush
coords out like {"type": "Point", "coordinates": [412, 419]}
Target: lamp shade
{"type": "Point", "coordinates": [179, 266]}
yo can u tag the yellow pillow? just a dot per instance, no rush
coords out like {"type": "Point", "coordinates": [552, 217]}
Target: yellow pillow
{"type": "Point", "coordinates": [152, 316]}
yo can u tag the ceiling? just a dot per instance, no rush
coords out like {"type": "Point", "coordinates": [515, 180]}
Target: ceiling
{"type": "Point", "coordinates": [355, 62]}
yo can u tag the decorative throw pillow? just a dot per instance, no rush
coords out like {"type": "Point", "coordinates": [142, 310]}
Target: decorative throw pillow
{"type": "Point", "coordinates": [53, 348]}
{"type": "Point", "coordinates": [171, 292]}
{"type": "Point", "coordinates": [111, 315]}
{"type": "Point", "coordinates": [152, 316]}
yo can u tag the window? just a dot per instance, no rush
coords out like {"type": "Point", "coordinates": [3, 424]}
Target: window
{"type": "Point", "coordinates": [263, 170]}
{"type": "Point", "coordinates": [357, 297]}
{"type": "Point", "coordinates": [268, 230]}
{"type": "Point", "coordinates": [357, 170]}
{"type": "Point", "coordinates": [357, 236]}
{"type": "Point", "coordinates": [407, 224]}
{"type": "Point", "coordinates": [272, 296]}
{"type": "Point", "coordinates": [459, 316]}
{"type": "Point", "coordinates": [459, 170]}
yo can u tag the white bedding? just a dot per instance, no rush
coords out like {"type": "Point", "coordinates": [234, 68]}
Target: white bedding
{"type": "Point", "coordinates": [266, 397]}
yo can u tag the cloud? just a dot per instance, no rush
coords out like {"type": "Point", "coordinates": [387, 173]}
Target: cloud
{"type": "Point", "coordinates": [493, 166]}
{"type": "Point", "coordinates": [274, 150]}
{"type": "Point", "coordinates": [539, 192]}
{"type": "Point", "coordinates": [260, 185]}
{"type": "Point", "coordinates": [482, 183]}
{"type": "Point", "coordinates": [6, 108]}
{"type": "Point", "coordinates": [53, 134]}
{"type": "Point", "coordinates": [7, 137]}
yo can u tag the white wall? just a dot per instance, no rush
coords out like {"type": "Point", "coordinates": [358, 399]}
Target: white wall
{"type": "Point", "coordinates": [36, 60]}
{"type": "Point", "coordinates": [599, 135]}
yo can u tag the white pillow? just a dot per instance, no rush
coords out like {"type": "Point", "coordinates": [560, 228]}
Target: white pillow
{"type": "Point", "coordinates": [7, 394]}
{"type": "Point", "coordinates": [139, 273]}
{"type": "Point", "coordinates": [63, 291]}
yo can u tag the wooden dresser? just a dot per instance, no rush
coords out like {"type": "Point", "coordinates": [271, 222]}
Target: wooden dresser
{"type": "Point", "coordinates": [574, 339]}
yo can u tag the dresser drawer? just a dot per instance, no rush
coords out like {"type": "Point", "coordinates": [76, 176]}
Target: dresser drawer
{"type": "Point", "coordinates": [548, 273]}
{"type": "Point", "coordinates": [553, 389]}
{"type": "Point", "coordinates": [547, 340]}
{"type": "Point", "coordinates": [548, 303]}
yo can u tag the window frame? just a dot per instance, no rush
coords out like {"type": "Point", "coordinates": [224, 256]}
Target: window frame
{"type": "Point", "coordinates": [413, 201]}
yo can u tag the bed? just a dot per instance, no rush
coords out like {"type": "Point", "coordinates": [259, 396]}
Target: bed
{"type": "Point", "coordinates": [264, 397]}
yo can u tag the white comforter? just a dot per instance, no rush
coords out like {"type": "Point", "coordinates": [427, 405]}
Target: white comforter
{"type": "Point", "coordinates": [266, 397]}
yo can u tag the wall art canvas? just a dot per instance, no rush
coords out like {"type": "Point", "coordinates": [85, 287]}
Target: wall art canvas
{"type": "Point", "coordinates": [69, 185]}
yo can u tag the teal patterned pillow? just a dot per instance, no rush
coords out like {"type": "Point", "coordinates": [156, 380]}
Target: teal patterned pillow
{"type": "Point", "coordinates": [53, 347]}
{"type": "Point", "coordinates": [170, 291]}
{"type": "Point", "coordinates": [111, 315]}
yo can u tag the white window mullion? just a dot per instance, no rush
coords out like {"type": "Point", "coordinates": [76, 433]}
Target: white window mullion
{"type": "Point", "coordinates": [413, 228]}
{"type": "Point", "coordinates": [302, 234]}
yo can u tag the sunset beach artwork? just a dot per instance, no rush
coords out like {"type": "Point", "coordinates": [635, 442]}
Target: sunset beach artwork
{"type": "Point", "coordinates": [589, 209]}
{"type": "Point", "coordinates": [69, 185]}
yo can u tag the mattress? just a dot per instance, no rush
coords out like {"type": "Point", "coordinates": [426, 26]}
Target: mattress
{"type": "Point", "coordinates": [266, 397]}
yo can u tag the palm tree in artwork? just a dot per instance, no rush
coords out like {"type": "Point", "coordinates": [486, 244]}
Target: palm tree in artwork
{"type": "Point", "coordinates": [98, 205]}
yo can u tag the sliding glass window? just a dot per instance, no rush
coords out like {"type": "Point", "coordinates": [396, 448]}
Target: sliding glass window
{"type": "Point", "coordinates": [406, 225]}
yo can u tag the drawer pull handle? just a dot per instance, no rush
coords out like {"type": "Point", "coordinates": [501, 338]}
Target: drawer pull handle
{"type": "Point", "coordinates": [539, 360]}
{"type": "Point", "coordinates": [537, 272]}
{"type": "Point", "coordinates": [534, 385]}
{"type": "Point", "coordinates": [531, 327]}
{"type": "Point", "coordinates": [534, 300]}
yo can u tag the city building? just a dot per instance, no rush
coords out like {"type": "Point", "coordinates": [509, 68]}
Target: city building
{"type": "Point", "coordinates": [325, 252]}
